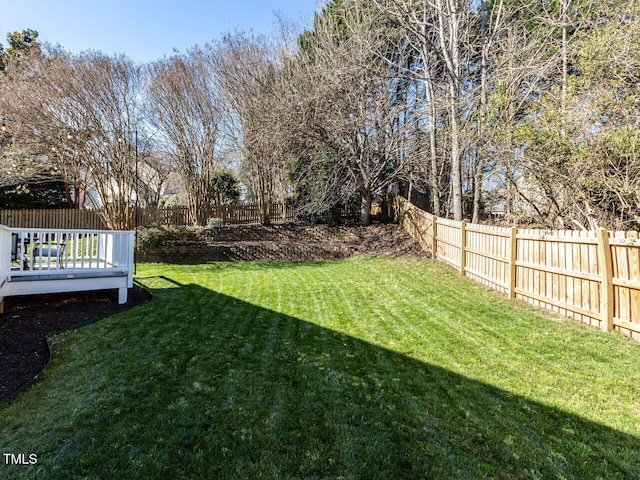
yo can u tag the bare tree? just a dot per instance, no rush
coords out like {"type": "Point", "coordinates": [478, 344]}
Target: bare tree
{"type": "Point", "coordinates": [415, 22]}
{"type": "Point", "coordinates": [354, 103]}
{"type": "Point", "coordinates": [248, 71]}
{"type": "Point", "coordinates": [81, 112]}
{"type": "Point", "coordinates": [185, 105]}
{"type": "Point", "coordinates": [24, 158]}
{"type": "Point", "coordinates": [154, 170]}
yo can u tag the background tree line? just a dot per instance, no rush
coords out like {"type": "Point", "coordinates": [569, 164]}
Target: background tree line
{"type": "Point", "coordinates": [529, 108]}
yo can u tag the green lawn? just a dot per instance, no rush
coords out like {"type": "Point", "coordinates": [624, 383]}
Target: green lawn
{"type": "Point", "coordinates": [362, 368]}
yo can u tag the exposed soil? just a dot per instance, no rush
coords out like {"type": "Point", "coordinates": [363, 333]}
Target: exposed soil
{"type": "Point", "coordinates": [386, 239]}
{"type": "Point", "coordinates": [29, 320]}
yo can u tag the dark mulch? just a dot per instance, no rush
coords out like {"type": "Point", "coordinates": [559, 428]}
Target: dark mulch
{"type": "Point", "coordinates": [29, 320]}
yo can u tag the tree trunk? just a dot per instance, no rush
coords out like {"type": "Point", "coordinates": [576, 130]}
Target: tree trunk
{"type": "Point", "coordinates": [456, 164]}
{"type": "Point", "coordinates": [263, 192]}
{"type": "Point", "coordinates": [434, 181]}
{"type": "Point", "coordinates": [448, 30]}
{"type": "Point", "coordinates": [365, 214]}
{"type": "Point", "coordinates": [565, 55]}
{"type": "Point", "coordinates": [265, 218]}
{"type": "Point", "coordinates": [477, 181]}
{"type": "Point", "coordinates": [477, 189]}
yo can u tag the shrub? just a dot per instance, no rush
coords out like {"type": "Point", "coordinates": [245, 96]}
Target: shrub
{"type": "Point", "coordinates": [213, 222]}
{"type": "Point", "coordinates": [155, 235]}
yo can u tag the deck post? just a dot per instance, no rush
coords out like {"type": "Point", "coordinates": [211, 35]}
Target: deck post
{"type": "Point", "coordinates": [122, 295]}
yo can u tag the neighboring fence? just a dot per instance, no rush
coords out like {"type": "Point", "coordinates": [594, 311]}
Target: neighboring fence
{"type": "Point", "coordinates": [162, 216]}
{"type": "Point", "coordinates": [64, 218]}
{"type": "Point", "coordinates": [591, 276]}
{"type": "Point", "coordinates": [91, 219]}
{"type": "Point", "coordinates": [249, 213]}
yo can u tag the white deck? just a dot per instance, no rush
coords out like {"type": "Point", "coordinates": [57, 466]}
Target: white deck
{"type": "Point", "coordinates": [38, 261]}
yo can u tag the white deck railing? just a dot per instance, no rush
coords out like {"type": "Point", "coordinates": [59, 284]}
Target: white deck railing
{"type": "Point", "coordinates": [37, 254]}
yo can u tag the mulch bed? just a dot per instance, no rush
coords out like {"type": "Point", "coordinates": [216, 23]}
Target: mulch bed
{"type": "Point", "coordinates": [29, 320]}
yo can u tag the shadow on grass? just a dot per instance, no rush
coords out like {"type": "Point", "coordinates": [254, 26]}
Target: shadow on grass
{"type": "Point", "coordinates": [227, 389]}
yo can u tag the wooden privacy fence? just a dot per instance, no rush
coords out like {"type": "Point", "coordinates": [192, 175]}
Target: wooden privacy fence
{"type": "Point", "coordinates": [64, 219]}
{"type": "Point", "coordinates": [591, 276]}
{"type": "Point", "coordinates": [227, 214]}
{"type": "Point", "coordinates": [91, 219]}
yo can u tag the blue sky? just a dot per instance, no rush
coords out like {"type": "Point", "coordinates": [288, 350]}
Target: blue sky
{"type": "Point", "coordinates": [145, 30]}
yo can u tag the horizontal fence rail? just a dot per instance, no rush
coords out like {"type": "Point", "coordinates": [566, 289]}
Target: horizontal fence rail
{"type": "Point", "coordinates": [591, 276]}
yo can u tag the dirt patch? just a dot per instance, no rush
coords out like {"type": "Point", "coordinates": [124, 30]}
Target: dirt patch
{"type": "Point", "coordinates": [386, 239]}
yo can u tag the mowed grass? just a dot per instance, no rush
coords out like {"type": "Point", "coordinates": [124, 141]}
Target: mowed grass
{"type": "Point", "coordinates": [361, 368]}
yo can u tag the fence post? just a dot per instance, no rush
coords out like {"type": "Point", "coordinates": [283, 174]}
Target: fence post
{"type": "Point", "coordinates": [513, 257]}
{"type": "Point", "coordinates": [605, 262]}
{"type": "Point", "coordinates": [463, 247]}
{"type": "Point", "coordinates": [434, 237]}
